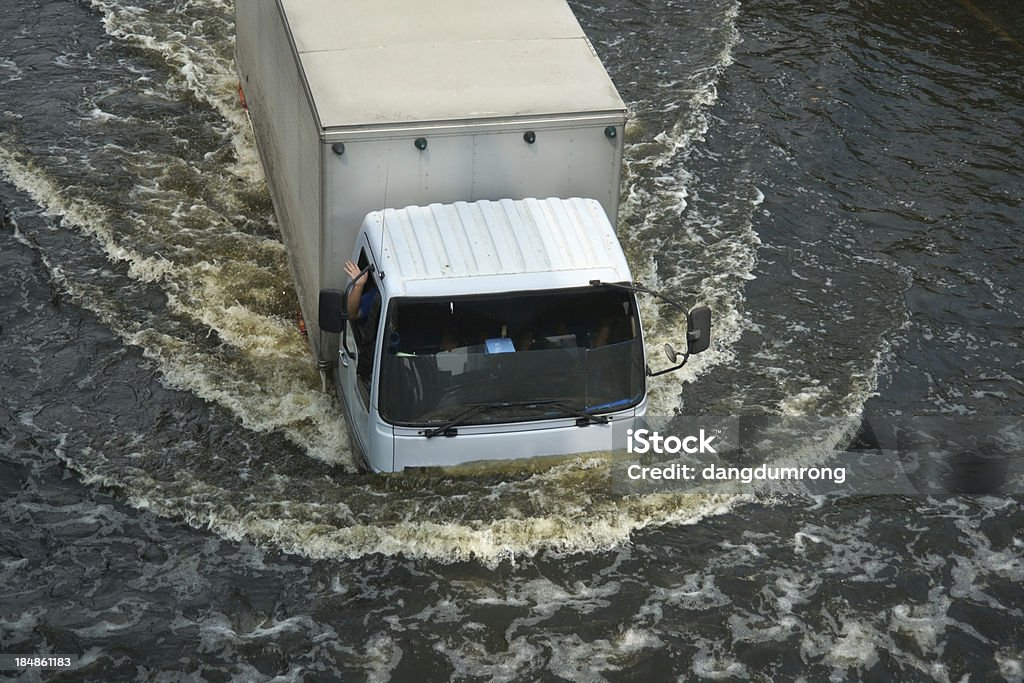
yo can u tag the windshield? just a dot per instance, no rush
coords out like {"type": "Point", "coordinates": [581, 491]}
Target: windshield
{"type": "Point", "coordinates": [535, 355]}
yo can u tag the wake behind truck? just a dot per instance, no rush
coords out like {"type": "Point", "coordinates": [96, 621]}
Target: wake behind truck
{"type": "Point", "coordinates": [466, 156]}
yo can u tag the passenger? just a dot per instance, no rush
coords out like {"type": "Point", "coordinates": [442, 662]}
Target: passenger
{"type": "Point", "coordinates": [603, 334]}
{"type": "Point", "coordinates": [359, 301]}
{"type": "Point", "coordinates": [363, 307]}
{"type": "Point", "coordinates": [449, 341]}
{"type": "Point", "coordinates": [525, 341]}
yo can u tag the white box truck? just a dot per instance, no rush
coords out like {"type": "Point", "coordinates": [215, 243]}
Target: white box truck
{"type": "Point", "coordinates": [465, 156]}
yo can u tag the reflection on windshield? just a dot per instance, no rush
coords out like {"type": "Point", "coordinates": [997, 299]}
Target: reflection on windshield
{"type": "Point", "coordinates": [577, 351]}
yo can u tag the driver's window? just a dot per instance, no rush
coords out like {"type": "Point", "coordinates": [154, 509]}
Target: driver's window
{"type": "Point", "coordinates": [364, 329]}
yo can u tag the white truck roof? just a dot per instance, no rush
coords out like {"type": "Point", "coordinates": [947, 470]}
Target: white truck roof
{"type": "Point", "coordinates": [517, 245]}
{"type": "Point", "coordinates": [444, 61]}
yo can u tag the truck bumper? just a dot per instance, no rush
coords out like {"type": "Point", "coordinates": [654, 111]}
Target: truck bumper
{"type": "Point", "coordinates": [512, 441]}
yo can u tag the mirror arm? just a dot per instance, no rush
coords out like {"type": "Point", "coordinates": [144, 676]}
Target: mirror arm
{"type": "Point", "coordinates": [686, 357]}
{"type": "Point", "coordinates": [636, 287]}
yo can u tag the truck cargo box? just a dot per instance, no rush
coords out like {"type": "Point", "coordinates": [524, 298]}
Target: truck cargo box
{"type": "Point", "coordinates": [358, 107]}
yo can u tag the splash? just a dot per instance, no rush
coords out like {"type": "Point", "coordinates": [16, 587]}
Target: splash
{"type": "Point", "coordinates": [260, 371]}
{"type": "Point", "coordinates": [675, 245]}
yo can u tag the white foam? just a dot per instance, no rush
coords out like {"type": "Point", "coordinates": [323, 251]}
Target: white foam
{"type": "Point", "coordinates": [1011, 665]}
{"type": "Point", "coordinates": [575, 659]}
{"type": "Point", "coordinates": [98, 114]}
{"type": "Point", "coordinates": [12, 68]}
{"type": "Point", "coordinates": [470, 659]}
{"type": "Point", "coordinates": [854, 647]}
{"type": "Point", "coordinates": [717, 666]}
{"type": "Point", "coordinates": [581, 522]}
{"type": "Point", "coordinates": [696, 592]}
{"type": "Point", "coordinates": [382, 655]}
{"type": "Point", "coordinates": [79, 213]}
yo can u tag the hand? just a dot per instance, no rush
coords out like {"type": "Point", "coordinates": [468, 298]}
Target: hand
{"type": "Point", "coordinates": [352, 270]}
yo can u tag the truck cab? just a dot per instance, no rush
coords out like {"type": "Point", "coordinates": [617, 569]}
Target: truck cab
{"type": "Point", "coordinates": [485, 336]}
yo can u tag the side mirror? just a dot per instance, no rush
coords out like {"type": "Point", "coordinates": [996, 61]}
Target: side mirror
{"type": "Point", "coordinates": [698, 334]}
{"type": "Point", "coordinates": [698, 338]}
{"type": "Point", "coordinates": [331, 310]}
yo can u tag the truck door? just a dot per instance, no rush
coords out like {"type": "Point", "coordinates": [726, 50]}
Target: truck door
{"type": "Point", "coordinates": [358, 359]}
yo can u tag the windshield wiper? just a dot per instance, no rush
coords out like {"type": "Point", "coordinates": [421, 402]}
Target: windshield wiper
{"type": "Point", "coordinates": [585, 417]}
{"type": "Point", "coordinates": [448, 428]}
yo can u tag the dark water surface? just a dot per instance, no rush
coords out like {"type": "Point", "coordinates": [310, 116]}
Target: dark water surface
{"type": "Point", "coordinates": [840, 181]}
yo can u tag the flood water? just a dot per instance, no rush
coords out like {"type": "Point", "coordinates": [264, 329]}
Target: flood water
{"type": "Point", "coordinates": [841, 182]}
